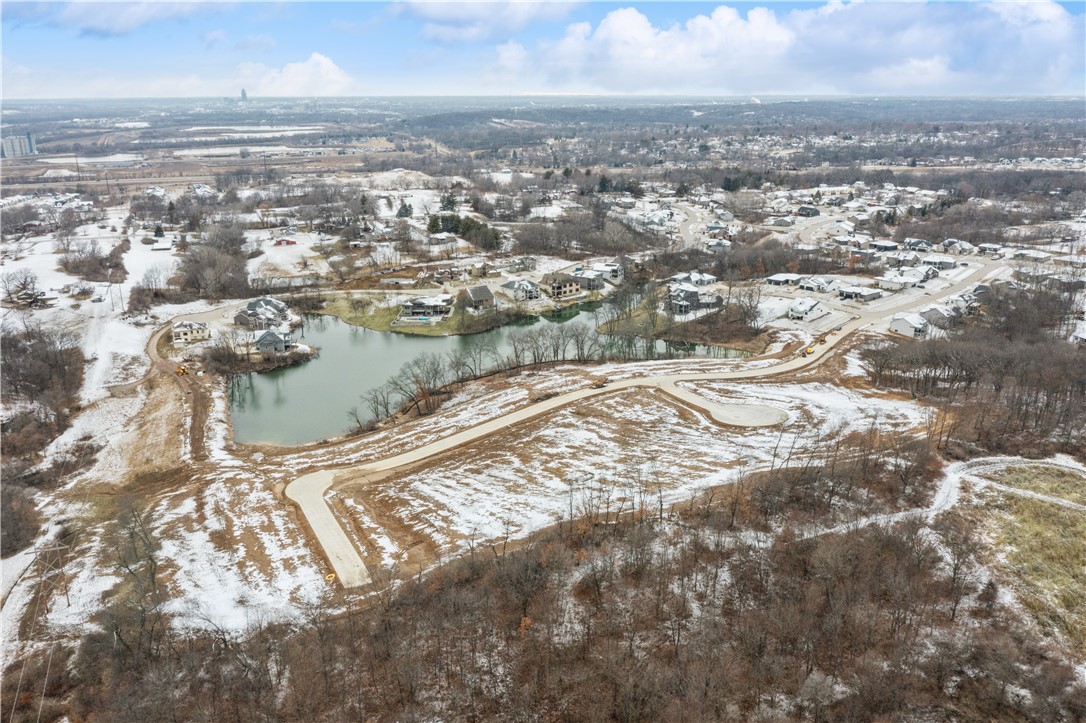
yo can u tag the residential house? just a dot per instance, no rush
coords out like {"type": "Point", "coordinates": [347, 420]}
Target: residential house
{"type": "Point", "coordinates": [271, 340]}
{"type": "Point", "coordinates": [263, 313]}
{"type": "Point", "coordinates": [440, 239]}
{"type": "Point", "coordinates": [918, 244]}
{"type": "Point", "coordinates": [522, 289]}
{"type": "Point", "coordinates": [684, 298]}
{"type": "Point", "coordinates": [189, 331]}
{"type": "Point", "coordinates": [858, 293]}
{"type": "Point", "coordinates": [957, 246]}
{"type": "Point", "coordinates": [939, 261]}
{"type": "Point", "coordinates": [1076, 262]}
{"type": "Point", "coordinates": [523, 263]}
{"type": "Point", "coordinates": [779, 221]}
{"type": "Point", "coordinates": [428, 306]}
{"type": "Point", "coordinates": [480, 270]}
{"type": "Point", "coordinates": [1032, 275]}
{"type": "Point", "coordinates": [884, 246]}
{"type": "Point", "coordinates": [910, 325]}
{"type": "Point", "coordinates": [1066, 282]}
{"type": "Point", "coordinates": [589, 280]}
{"type": "Point", "coordinates": [919, 273]}
{"type": "Point", "coordinates": [1031, 255]}
{"type": "Point", "coordinates": [808, 211]}
{"type": "Point", "coordinates": [901, 258]}
{"type": "Point", "coordinates": [626, 263]}
{"type": "Point", "coordinates": [818, 283]}
{"type": "Point", "coordinates": [610, 270]}
{"type": "Point", "coordinates": [718, 245]}
{"type": "Point", "coordinates": [695, 278]}
{"type": "Point", "coordinates": [807, 309]}
{"type": "Point", "coordinates": [478, 297]}
{"type": "Point", "coordinates": [783, 279]}
{"type": "Point", "coordinates": [895, 282]}
{"type": "Point", "coordinates": [559, 285]}
{"type": "Point", "coordinates": [941, 316]}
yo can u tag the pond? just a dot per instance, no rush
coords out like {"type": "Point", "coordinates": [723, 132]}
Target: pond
{"type": "Point", "coordinates": [311, 401]}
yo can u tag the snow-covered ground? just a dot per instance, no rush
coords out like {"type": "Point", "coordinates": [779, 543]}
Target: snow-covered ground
{"type": "Point", "coordinates": [616, 450]}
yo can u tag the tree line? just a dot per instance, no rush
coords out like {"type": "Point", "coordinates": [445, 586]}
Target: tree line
{"type": "Point", "coordinates": [42, 375]}
{"type": "Point", "coordinates": [1008, 382]}
{"type": "Point", "coordinates": [625, 610]}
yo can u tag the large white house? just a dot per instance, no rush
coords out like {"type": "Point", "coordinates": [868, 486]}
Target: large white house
{"type": "Point", "coordinates": [189, 331]}
{"type": "Point", "coordinates": [911, 325]}
{"type": "Point", "coordinates": [807, 309]}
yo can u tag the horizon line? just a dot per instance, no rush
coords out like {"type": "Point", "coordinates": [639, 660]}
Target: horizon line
{"type": "Point", "coordinates": [707, 96]}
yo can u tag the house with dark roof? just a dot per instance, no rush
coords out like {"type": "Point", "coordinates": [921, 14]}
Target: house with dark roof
{"type": "Point", "coordinates": [522, 289]}
{"type": "Point", "coordinates": [559, 285]}
{"type": "Point", "coordinates": [684, 298]}
{"type": "Point", "coordinates": [272, 340]}
{"type": "Point", "coordinates": [478, 297]}
{"type": "Point", "coordinates": [262, 313]}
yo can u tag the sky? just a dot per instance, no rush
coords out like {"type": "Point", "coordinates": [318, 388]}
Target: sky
{"type": "Point", "coordinates": [872, 48]}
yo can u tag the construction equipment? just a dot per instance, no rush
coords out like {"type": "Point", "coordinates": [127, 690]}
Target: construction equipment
{"type": "Point", "coordinates": [182, 370]}
{"type": "Point", "coordinates": [810, 350]}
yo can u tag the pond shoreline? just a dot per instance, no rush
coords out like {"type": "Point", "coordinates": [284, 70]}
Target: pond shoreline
{"type": "Point", "coordinates": [304, 404]}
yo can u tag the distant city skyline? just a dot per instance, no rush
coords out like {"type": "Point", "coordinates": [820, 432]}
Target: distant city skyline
{"type": "Point", "coordinates": [201, 49]}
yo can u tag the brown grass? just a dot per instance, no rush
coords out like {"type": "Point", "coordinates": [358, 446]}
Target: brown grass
{"type": "Point", "coordinates": [1044, 546]}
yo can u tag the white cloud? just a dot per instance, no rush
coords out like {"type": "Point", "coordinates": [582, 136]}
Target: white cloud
{"type": "Point", "coordinates": [213, 38]}
{"type": "Point", "coordinates": [318, 75]}
{"type": "Point", "coordinates": [119, 18]}
{"type": "Point", "coordinates": [511, 66]}
{"type": "Point", "coordinates": [867, 48]}
{"type": "Point", "coordinates": [452, 22]}
{"type": "Point", "coordinates": [627, 53]}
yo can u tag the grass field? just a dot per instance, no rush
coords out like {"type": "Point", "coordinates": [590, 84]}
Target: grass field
{"type": "Point", "coordinates": [1044, 560]}
{"type": "Point", "coordinates": [380, 318]}
{"type": "Point", "coordinates": [1046, 480]}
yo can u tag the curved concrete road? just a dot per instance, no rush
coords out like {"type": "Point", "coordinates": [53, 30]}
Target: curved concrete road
{"type": "Point", "coordinates": [308, 490]}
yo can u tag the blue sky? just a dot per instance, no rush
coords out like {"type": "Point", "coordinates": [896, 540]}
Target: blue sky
{"type": "Point", "coordinates": [179, 49]}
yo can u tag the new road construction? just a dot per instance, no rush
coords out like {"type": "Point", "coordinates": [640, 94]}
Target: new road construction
{"type": "Point", "coordinates": [309, 490]}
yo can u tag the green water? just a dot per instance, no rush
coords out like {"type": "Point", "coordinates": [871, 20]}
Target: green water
{"type": "Point", "coordinates": [311, 401]}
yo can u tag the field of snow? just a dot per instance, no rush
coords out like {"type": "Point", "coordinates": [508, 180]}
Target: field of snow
{"type": "Point", "coordinates": [266, 572]}
{"type": "Point", "coordinates": [422, 202]}
{"type": "Point", "coordinates": [220, 151]}
{"type": "Point", "coordinates": [398, 179]}
{"type": "Point", "coordinates": [95, 160]}
{"type": "Point", "coordinates": [631, 448]}
{"type": "Point", "coordinates": [298, 260]}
